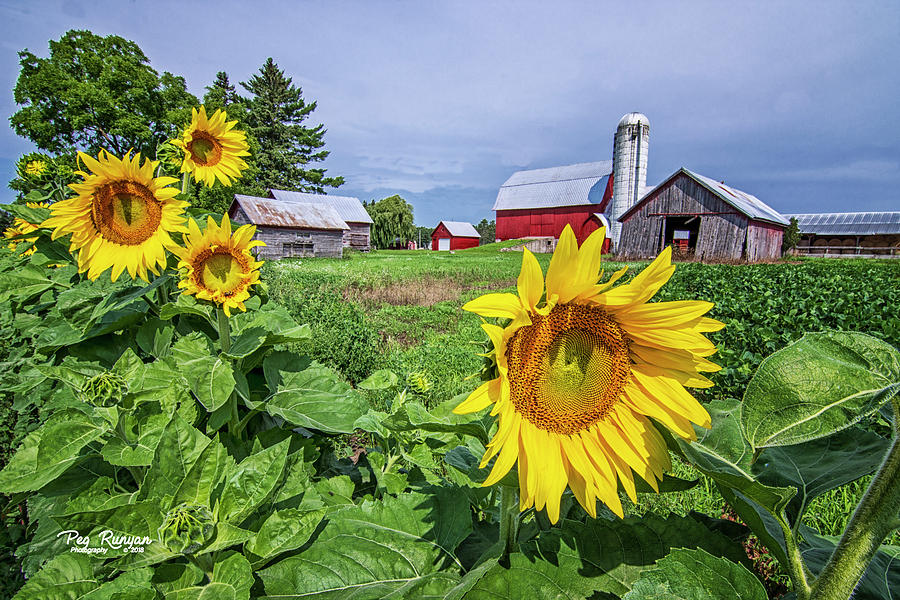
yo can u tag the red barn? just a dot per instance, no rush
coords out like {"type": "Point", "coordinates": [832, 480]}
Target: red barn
{"type": "Point", "coordinates": [454, 235]}
{"type": "Point", "coordinates": [541, 202]}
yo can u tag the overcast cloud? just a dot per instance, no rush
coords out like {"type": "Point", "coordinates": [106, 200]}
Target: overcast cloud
{"type": "Point", "coordinates": [796, 103]}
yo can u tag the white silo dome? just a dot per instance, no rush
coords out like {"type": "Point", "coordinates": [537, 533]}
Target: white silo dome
{"type": "Point", "coordinates": [633, 118]}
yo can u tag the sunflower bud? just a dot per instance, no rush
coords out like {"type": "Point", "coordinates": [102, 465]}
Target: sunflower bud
{"type": "Point", "coordinates": [186, 528]}
{"type": "Point", "coordinates": [419, 382]}
{"type": "Point", "coordinates": [105, 389]}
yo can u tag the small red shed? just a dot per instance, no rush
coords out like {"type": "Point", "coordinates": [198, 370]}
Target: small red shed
{"type": "Point", "coordinates": [454, 235]}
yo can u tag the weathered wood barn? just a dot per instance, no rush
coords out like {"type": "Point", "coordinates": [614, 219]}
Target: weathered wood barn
{"type": "Point", "coordinates": [701, 218]}
{"type": "Point", "coordinates": [291, 228]}
{"type": "Point", "coordinates": [358, 234]}
{"type": "Point", "coordinates": [541, 202]}
{"type": "Point", "coordinates": [454, 235]}
{"type": "Point", "coordinates": [854, 233]}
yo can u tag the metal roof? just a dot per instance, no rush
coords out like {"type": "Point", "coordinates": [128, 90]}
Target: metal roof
{"type": "Point", "coordinates": [746, 203]}
{"type": "Point", "coordinates": [304, 215]}
{"type": "Point", "coordinates": [349, 208]}
{"type": "Point", "coordinates": [461, 229]}
{"type": "Point", "coordinates": [848, 223]}
{"type": "Point", "coordinates": [571, 185]}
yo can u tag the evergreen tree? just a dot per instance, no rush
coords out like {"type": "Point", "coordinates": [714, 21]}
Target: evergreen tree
{"type": "Point", "coordinates": [487, 230]}
{"type": "Point", "coordinates": [791, 237]}
{"type": "Point", "coordinates": [276, 114]}
{"type": "Point", "coordinates": [221, 94]}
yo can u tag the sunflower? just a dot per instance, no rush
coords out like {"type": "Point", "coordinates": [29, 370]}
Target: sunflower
{"type": "Point", "coordinates": [582, 371]}
{"type": "Point", "coordinates": [218, 264]}
{"type": "Point", "coordinates": [36, 168]}
{"type": "Point", "coordinates": [121, 217]}
{"type": "Point", "coordinates": [213, 148]}
{"type": "Point", "coordinates": [21, 227]}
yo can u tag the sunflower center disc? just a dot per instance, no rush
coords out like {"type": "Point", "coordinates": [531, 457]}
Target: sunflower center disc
{"type": "Point", "coordinates": [567, 369]}
{"type": "Point", "coordinates": [222, 272]}
{"type": "Point", "coordinates": [125, 212]}
{"type": "Point", "coordinates": [205, 150]}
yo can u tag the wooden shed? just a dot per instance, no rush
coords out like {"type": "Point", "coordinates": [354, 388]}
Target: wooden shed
{"type": "Point", "coordinates": [359, 224]}
{"type": "Point", "coordinates": [290, 228]}
{"type": "Point", "coordinates": [454, 235]}
{"type": "Point", "coordinates": [703, 219]}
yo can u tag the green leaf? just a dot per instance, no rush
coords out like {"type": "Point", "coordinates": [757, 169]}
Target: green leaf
{"type": "Point", "coordinates": [66, 577]}
{"type": "Point", "coordinates": [578, 559]}
{"type": "Point", "coordinates": [231, 579]}
{"type": "Point", "coordinates": [274, 319]}
{"type": "Point", "coordinates": [127, 586]}
{"type": "Point", "coordinates": [248, 342]}
{"type": "Point", "coordinates": [209, 377]}
{"type": "Point", "coordinates": [819, 385]}
{"type": "Point", "coordinates": [284, 530]}
{"type": "Point", "coordinates": [143, 429]}
{"type": "Point", "coordinates": [155, 337]}
{"type": "Point", "coordinates": [382, 379]}
{"type": "Point", "coordinates": [441, 419]}
{"type": "Point", "coordinates": [204, 475]}
{"type": "Point", "coordinates": [373, 421]}
{"type": "Point", "coordinates": [696, 575]}
{"type": "Point", "coordinates": [141, 519]}
{"type": "Point", "coordinates": [250, 483]}
{"type": "Point", "coordinates": [316, 398]}
{"type": "Point", "coordinates": [49, 451]}
{"type": "Point", "coordinates": [179, 448]}
{"type": "Point", "coordinates": [373, 550]}
{"type": "Point", "coordinates": [24, 283]}
{"type": "Point", "coordinates": [820, 465]}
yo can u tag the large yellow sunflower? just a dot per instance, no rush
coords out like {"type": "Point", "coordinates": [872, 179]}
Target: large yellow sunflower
{"type": "Point", "coordinates": [21, 227]}
{"type": "Point", "coordinates": [213, 148]}
{"type": "Point", "coordinates": [583, 370]}
{"type": "Point", "coordinates": [121, 217]}
{"type": "Point", "coordinates": [218, 265]}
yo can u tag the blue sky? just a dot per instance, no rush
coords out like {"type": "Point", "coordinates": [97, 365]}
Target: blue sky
{"type": "Point", "coordinates": [796, 103]}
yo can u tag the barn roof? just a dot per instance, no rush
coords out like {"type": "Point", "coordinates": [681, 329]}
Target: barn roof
{"type": "Point", "coordinates": [460, 229]}
{"type": "Point", "coordinates": [275, 213]}
{"type": "Point", "coordinates": [350, 209]}
{"type": "Point", "coordinates": [571, 185]}
{"type": "Point", "coordinates": [745, 203]}
{"type": "Point", "coordinates": [848, 223]}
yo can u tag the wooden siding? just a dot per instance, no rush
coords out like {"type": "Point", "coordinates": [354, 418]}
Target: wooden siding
{"type": "Point", "coordinates": [542, 222]}
{"type": "Point", "coordinates": [286, 242]}
{"type": "Point", "coordinates": [722, 235]}
{"type": "Point", "coordinates": [357, 237]}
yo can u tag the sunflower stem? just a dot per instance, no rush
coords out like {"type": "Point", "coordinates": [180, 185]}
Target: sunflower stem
{"type": "Point", "coordinates": [234, 424]}
{"type": "Point", "coordinates": [872, 522]}
{"type": "Point", "coordinates": [186, 184]}
{"type": "Point", "coordinates": [509, 519]}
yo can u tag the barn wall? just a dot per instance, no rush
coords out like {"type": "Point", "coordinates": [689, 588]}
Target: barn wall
{"type": "Point", "coordinates": [283, 242]}
{"type": "Point", "coordinates": [461, 243]}
{"type": "Point", "coordinates": [357, 237]}
{"type": "Point", "coordinates": [720, 236]}
{"type": "Point", "coordinates": [540, 222]}
{"type": "Point", "coordinates": [439, 232]}
{"type": "Point", "coordinates": [763, 241]}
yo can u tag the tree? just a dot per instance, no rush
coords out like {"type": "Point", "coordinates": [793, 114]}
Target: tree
{"type": "Point", "coordinates": [276, 113]}
{"type": "Point", "coordinates": [791, 236]}
{"type": "Point", "coordinates": [487, 230]}
{"type": "Point", "coordinates": [392, 221]}
{"type": "Point", "coordinates": [97, 92]}
{"type": "Point", "coordinates": [220, 94]}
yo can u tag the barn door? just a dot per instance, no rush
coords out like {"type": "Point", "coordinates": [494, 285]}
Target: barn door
{"type": "Point", "coordinates": [443, 243]}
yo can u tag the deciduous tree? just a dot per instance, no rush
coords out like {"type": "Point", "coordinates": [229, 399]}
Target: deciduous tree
{"type": "Point", "coordinates": [392, 221]}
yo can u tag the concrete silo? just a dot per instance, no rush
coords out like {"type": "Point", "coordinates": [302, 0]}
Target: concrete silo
{"type": "Point", "coordinates": [630, 148]}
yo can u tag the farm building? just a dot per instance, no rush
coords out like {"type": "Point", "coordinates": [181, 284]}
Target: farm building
{"type": "Point", "coordinates": [702, 218]}
{"type": "Point", "coordinates": [358, 234]}
{"type": "Point", "coordinates": [291, 228]}
{"type": "Point", "coordinates": [539, 203]}
{"type": "Point", "coordinates": [454, 235]}
{"type": "Point", "coordinates": [856, 233]}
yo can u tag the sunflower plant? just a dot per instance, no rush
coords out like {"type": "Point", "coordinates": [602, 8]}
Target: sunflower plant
{"type": "Point", "coordinates": [184, 446]}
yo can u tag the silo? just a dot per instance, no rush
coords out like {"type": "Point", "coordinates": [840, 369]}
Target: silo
{"type": "Point", "coordinates": [629, 169]}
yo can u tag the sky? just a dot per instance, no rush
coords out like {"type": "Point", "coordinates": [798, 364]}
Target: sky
{"type": "Point", "coordinates": [440, 102]}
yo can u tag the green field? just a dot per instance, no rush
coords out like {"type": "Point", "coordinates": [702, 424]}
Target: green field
{"type": "Point", "coordinates": [402, 310]}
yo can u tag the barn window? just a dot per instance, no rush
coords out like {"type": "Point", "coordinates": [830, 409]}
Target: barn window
{"type": "Point", "coordinates": [681, 233]}
{"type": "Point", "coordinates": [299, 248]}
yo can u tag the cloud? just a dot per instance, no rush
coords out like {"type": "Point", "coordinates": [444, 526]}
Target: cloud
{"type": "Point", "coordinates": [864, 170]}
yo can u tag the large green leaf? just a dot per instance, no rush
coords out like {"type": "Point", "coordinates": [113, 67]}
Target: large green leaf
{"type": "Point", "coordinates": [579, 559]}
{"type": "Point", "coordinates": [204, 476]}
{"type": "Point", "coordinates": [820, 465]}
{"type": "Point", "coordinates": [284, 530]}
{"type": "Point", "coordinates": [231, 579]}
{"type": "Point", "coordinates": [440, 419]}
{"type": "Point", "coordinates": [66, 577]}
{"type": "Point", "coordinates": [179, 448]}
{"type": "Point", "coordinates": [49, 451]}
{"type": "Point", "coordinates": [142, 429]}
{"type": "Point", "coordinates": [316, 398]}
{"type": "Point", "coordinates": [250, 483]}
{"type": "Point", "coordinates": [375, 550]}
{"type": "Point", "coordinates": [24, 283]}
{"type": "Point", "coordinates": [210, 378]}
{"type": "Point", "coordinates": [821, 384]}
{"type": "Point", "coordinates": [696, 575]}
